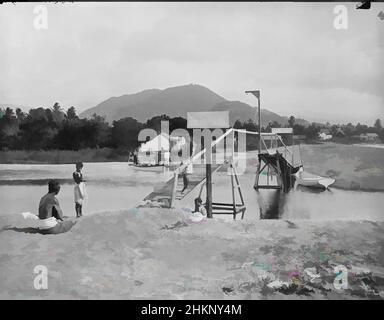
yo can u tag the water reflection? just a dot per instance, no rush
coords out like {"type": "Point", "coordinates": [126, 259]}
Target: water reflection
{"type": "Point", "coordinates": [319, 204]}
{"type": "Point", "coordinates": [271, 203]}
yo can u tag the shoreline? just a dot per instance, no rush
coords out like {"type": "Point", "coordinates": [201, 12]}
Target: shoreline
{"type": "Point", "coordinates": [110, 155]}
{"type": "Point", "coordinates": [354, 167]}
{"type": "Point", "coordinates": [45, 157]}
{"type": "Point", "coordinates": [43, 182]}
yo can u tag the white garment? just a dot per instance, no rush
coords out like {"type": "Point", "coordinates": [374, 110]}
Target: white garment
{"type": "Point", "coordinates": [30, 220]}
{"type": "Point", "coordinates": [79, 192]}
{"type": "Point", "coordinates": [47, 223]}
{"type": "Point", "coordinates": [196, 217]}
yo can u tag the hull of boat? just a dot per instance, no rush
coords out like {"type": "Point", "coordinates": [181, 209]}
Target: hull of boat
{"type": "Point", "coordinates": [314, 181]}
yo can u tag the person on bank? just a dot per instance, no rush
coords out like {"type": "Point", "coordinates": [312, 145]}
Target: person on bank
{"type": "Point", "coordinates": [185, 177]}
{"type": "Point", "coordinates": [50, 214]}
{"type": "Point", "coordinates": [79, 189]}
{"type": "Point", "coordinates": [199, 207]}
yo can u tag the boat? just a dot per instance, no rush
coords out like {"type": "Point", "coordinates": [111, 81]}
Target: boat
{"type": "Point", "coordinates": [312, 180]}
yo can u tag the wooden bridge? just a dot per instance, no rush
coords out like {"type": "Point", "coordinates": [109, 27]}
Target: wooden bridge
{"type": "Point", "coordinates": [168, 193]}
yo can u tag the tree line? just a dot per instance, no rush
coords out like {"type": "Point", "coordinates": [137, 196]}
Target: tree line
{"type": "Point", "coordinates": [57, 129]}
{"type": "Point", "coordinates": [311, 131]}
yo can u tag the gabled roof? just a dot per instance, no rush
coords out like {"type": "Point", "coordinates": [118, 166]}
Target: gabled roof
{"type": "Point", "coordinates": [158, 143]}
{"type": "Point", "coordinates": [161, 143]}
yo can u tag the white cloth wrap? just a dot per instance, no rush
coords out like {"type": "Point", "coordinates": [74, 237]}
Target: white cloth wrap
{"type": "Point", "coordinates": [30, 220]}
{"type": "Point", "coordinates": [79, 192]}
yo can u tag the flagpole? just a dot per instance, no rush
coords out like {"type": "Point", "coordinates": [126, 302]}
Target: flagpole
{"type": "Point", "coordinates": [256, 93]}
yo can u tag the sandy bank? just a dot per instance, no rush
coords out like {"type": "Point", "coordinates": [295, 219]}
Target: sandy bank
{"type": "Point", "coordinates": [159, 254]}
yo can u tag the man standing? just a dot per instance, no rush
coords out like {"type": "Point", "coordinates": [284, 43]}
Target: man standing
{"type": "Point", "coordinates": [49, 205]}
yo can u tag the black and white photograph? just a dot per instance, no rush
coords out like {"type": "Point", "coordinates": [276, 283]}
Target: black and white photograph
{"type": "Point", "coordinates": [163, 151]}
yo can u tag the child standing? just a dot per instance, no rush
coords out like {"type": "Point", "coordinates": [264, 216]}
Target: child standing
{"type": "Point", "coordinates": [185, 177]}
{"type": "Point", "coordinates": [79, 189]}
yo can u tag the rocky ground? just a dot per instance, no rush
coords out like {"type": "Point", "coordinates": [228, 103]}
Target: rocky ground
{"type": "Point", "coordinates": [160, 254]}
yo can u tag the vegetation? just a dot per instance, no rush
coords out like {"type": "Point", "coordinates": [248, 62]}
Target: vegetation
{"type": "Point", "coordinates": [340, 133]}
{"type": "Point", "coordinates": [55, 130]}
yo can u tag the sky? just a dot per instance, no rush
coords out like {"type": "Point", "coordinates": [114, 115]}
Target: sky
{"type": "Point", "coordinates": [291, 52]}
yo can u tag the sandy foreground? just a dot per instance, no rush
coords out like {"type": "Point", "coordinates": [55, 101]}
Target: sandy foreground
{"type": "Point", "coordinates": [155, 253]}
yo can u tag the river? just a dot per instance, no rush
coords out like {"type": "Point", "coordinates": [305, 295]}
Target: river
{"type": "Point", "coordinates": [118, 186]}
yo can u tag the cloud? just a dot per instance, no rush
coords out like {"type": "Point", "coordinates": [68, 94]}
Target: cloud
{"type": "Point", "coordinates": [290, 51]}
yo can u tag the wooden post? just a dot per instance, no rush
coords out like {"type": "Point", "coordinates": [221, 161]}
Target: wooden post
{"type": "Point", "coordinates": [233, 193]}
{"type": "Point", "coordinates": [174, 188]}
{"type": "Point", "coordinates": [280, 181]}
{"type": "Point", "coordinates": [208, 176]}
{"type": "Point", "coordinates": [256, 186]}
{"type": "Point", "coordinates": [259, 124]}
{"type": "Point", "coordinates": [233, 146]}
{"type": "Point", "coordinates": [208, 203]}
{"type": "Point", "coordinates": [238, 185]}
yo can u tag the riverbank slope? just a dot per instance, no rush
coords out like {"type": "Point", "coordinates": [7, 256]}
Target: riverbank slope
{"type": "Point", "coordinates": [159, 254]}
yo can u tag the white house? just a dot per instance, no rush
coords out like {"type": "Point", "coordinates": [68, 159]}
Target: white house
{"type": "Point", "coordinates": [325, 134]}
{"type": "Point", "coordinates": [369, 137]}
{"type": "Point", "coordinates": [157, 151]}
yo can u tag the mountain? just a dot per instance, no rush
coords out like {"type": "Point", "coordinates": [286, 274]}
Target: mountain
{"type": "Point", "coordinates": [112, 106]}
{"type": "Point", "coordinates": [177, 101]}
{"type": "Point", "coordinates": [243, 112]}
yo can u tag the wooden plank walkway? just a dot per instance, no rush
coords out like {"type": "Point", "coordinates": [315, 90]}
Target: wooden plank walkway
{"type": "Point", "coordinates": [161, 197]}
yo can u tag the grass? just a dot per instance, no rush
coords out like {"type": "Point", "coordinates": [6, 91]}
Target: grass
{"type": "Point", "coordinates": [352, 166]}
{"type": "Point", "coordinates": [62, 156]}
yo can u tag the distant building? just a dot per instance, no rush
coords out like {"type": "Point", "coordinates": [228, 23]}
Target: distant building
{"type": "Point", "coordinates": [369, 137]}
{"type": "Point", "coordinates": [325, 131]}
{"type": "Point", "coordinates": [157, 151]}
{"type": "Point", "coordinates": [325, 134]}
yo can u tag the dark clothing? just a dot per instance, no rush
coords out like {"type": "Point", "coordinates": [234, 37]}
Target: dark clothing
{"type": "Point", "coordinates": [185, 181]}
{"type": "Point", "coordinates": [79, 210]}
{"type": "Point", "coordinates": [78, 177]}
{"type": "Point", "coordinates": [49, 207]}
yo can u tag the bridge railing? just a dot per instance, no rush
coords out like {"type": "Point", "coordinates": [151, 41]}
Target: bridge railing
{"type": "Point", "coordinates": [191, 160]}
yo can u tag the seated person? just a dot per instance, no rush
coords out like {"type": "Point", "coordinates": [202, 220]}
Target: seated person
{"type": "Point", "coordinates": [49, 207]}
{"type": "Point", "coordinates": [199, 207]}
